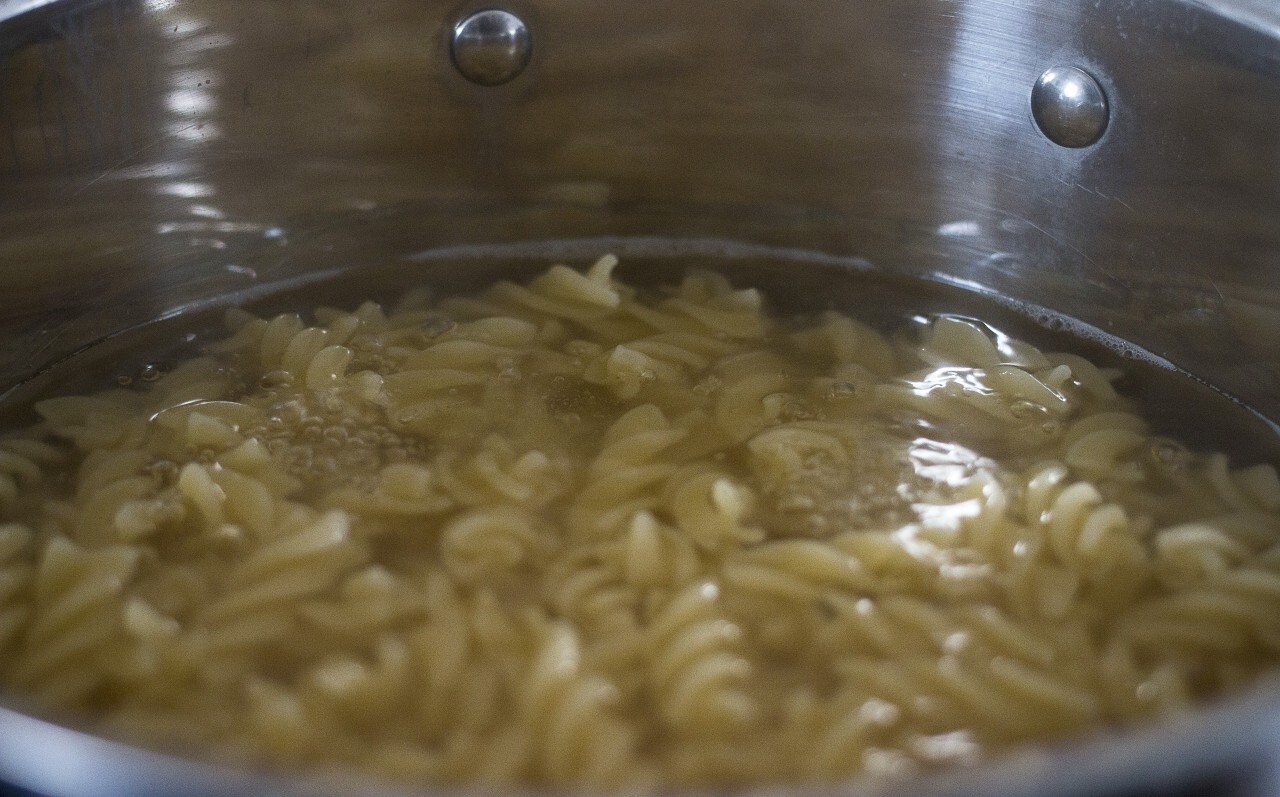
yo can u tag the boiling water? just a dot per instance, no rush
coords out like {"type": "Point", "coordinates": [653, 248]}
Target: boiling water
{"type": "Point", "coordinates": [581, 534]}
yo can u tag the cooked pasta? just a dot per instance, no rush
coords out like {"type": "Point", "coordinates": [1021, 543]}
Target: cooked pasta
{"type": "Point", "coordinates": [572, 533]}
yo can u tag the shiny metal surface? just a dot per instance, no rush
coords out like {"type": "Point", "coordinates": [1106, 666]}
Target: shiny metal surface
{"type": "Point", "coordinates": [169, 140]}
{"type": "Point", "coordinates": [14, 8]}
{"type": "Point", "coordinates": [1069, 106]}
{"type": "Point", "coordinates": [156, 155]}
{"type": "Point", "coordinates": [491, 47]}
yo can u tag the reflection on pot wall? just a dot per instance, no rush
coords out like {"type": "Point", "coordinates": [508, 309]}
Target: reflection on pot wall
{"type": "Point", "coordinates": [161, 152]}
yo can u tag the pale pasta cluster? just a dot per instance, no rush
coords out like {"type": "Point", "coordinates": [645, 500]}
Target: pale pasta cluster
{"type": "Point", "coordinates": [570, 533]}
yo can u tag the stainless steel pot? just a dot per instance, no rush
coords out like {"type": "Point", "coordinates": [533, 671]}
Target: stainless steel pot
{"type": "Point", "coordinates": [1116, 160]}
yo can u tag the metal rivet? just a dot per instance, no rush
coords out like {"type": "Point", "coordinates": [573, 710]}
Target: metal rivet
{"type": "Point", "coordinates": [1070, 107]}
{"type": "Point", "coordinates": [491, 47]}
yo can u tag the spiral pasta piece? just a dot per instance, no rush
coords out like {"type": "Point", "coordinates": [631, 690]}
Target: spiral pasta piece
{"type": "Point", "coordinates": [263, 589]}
{"type": "Point", "coordinates": [77, 611]}
{"type": "Point", "coordinates": [16, 576]}
{"type": "Point", "coordinates": [696, 669]}
{"type": "Point", "coordinates": [622, 475]}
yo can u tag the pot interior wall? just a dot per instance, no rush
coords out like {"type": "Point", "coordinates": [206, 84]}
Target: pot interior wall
{"type": "Point", "coordinates": [164, 152]}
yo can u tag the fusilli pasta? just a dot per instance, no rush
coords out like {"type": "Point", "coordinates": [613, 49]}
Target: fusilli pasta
{"type": "Point", "coordinates": [576, 533]}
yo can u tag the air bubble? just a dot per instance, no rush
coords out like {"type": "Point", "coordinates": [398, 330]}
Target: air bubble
{"type": "Point", "coordinates": [1026, 410]}
{"type": "Point", "coordinates": [790, 408]}
{"type": "Point", "coordinates": [841, 391]}
{"type": "Point", "coordinates": [708, 386]}
{"type": "Point", "coordinates": [150, 372]}
{"type": "Point", "coordinates": [1169, 454]}
{"type": "Point", "coordinates": [274, 380]}
{"type": "Point", "coordinates": [165, 470]}
{"type": "Point", "coordinates": [288, 412]}
{"type": "Point", "coordinates": [437, 326]}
